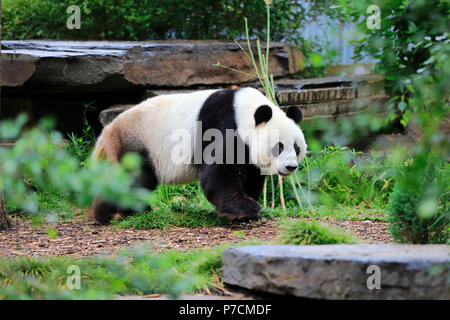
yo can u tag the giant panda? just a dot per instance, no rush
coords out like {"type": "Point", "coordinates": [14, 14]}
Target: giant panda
{"type": "Point", "coordinates": [259, 139]}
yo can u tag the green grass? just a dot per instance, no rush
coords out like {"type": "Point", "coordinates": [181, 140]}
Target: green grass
{"type": "Point", "coordinates": [185, 214]}
{"type": "Point", "coordinates": [175, 214]}
{"type": "Point", "coordinates": [138, 271]}
{"type": "Point", "coordinates": [55, 203]}
{"type": "Point", "coordinates": [339, 176]}
{"type": "Point", "coordinates": [175, 206]}
{"type": "Point", "coordinates": [300, 232]}
{"type": "Point", "coordinates": [51, 205]}
{"type": "Point", "coordinates": [322, 212]}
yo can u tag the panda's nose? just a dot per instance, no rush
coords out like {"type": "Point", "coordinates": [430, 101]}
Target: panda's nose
{"type": "Point", "coordinates": [291, 168]}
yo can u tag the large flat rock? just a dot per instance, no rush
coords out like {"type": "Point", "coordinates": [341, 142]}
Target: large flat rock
{"type": "Point", "coordinates": [340, 271]}
{"type": "Point", "coordinates": [107, 66]}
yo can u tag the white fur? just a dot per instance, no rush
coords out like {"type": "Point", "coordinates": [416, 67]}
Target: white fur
{"type": "Point", "coordinates": [155, 120]}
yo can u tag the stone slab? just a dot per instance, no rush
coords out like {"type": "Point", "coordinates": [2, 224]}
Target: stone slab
{"type": "Point", "coordinates": [340, 271]}
{"type": "Point", "coordinates": [107, 66]}
{"type": "Point", "coordinates": [108, 115]}
{"type": "Point", "coordinates": [319, 97]}
{"type": "Point", "coordinates": [330, 81]}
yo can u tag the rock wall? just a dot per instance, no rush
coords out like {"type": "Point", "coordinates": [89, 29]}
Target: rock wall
{"type": "Point", "coordinates": [321, 97]}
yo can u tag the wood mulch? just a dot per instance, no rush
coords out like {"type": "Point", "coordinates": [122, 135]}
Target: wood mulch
{"type": "Point", "coordinates": [80, 238]}
{"type": "Point", "coordinates": [370, 231]}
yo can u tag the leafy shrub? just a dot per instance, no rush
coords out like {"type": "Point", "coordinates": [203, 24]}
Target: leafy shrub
{"type": "Point", "coordinates": [419, 210]}
{"type": "Point", "coordinates": [149, 19]}
{"type": "Point", "coordinates": [408, 31]}
{"type": "Point", "coordinates": [302, 232]}
{"type": "Point", "coordinates": [412, 47]}
{"type": "Point", "coordinates": [38, 161]}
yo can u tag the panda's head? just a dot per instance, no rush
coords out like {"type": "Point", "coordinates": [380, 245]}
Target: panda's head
{"type": "Point", "coordinates": [275, 140]}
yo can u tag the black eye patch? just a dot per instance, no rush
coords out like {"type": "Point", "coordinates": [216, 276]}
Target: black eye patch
{"type": "Point", "coordinates": [297, 149]}
{"type": "Point", "coordinates": [277, 149]}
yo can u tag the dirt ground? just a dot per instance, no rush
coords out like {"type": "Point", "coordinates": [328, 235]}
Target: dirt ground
{"type": "Point", "coordinates": [81, 238]}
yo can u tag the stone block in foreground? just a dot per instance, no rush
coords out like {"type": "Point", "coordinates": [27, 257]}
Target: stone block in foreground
{"type": "Point", "coordinates": [340, 271]}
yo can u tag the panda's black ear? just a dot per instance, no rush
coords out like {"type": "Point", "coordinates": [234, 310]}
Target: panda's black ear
{"type": "Point", "coordinates": [263, 114]}
{"type": "Point", "coordinates": [295, 113]}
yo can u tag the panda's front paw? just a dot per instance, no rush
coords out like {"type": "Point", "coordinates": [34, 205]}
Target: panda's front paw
{"type": "Point", "coordinates": [243, 209]}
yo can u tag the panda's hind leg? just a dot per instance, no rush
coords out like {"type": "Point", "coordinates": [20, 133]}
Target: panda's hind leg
{"type": "Point", "coordinates": [103, 212]}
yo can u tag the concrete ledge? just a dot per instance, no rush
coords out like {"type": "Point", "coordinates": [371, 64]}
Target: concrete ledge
{"type": "Point", "coordinates": [340, 271]}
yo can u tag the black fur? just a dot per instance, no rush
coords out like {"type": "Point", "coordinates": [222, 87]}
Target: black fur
{"type": "Point", "coordinates": [294, 113]}
{"type": "Point", "coordinates": [148, 178]}
{"type": "Point", "coordinates": [297, 149]}
{"type": "Point", "coordinates": [233, 188]}
{"type": "Point", "coordinates": [103, 211]}
{"type": "Point", "coordinates": [263, 114]}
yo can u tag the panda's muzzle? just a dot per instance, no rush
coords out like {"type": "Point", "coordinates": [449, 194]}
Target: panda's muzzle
{"type": "Point", "coordinates": [291, 168]}
{"type": "Point", "coordinates": [288, 170]}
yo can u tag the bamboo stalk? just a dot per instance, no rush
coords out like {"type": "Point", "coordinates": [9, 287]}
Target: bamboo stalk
{"type": "Point", "coordinates": [280, 183]}
{"type": "Point", "coordinates": [273, 192]}
{"type": "Point", "coordinates": [267, 82]}
{"type": "Point", "coordinates": [265, 193]}
{"type": "Point", "coordinates": [295, 192]}
{"type": "Point", "coordinates": [309, 180]}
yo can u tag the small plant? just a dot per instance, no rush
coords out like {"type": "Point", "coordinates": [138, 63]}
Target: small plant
{"type": "Point", "coordinates": [240, 233]}
{"type": "Point", "coordinates": [302, 232]}
{"type": "Point", "coordinates": [52, 233]}
{"type": "Point", "coordinates": [81, 146]}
